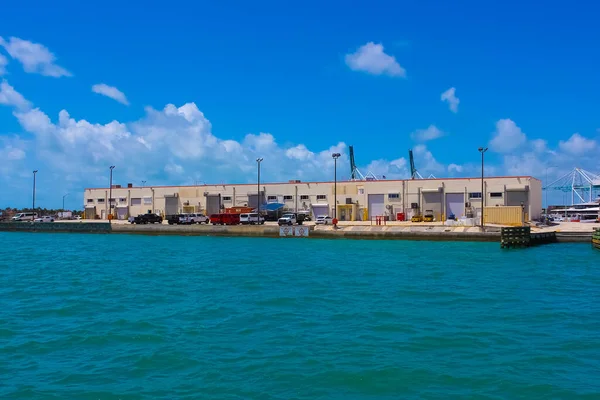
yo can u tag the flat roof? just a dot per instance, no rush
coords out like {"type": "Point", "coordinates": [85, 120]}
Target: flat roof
{"type": "Point", "coordinates": [316, 182]}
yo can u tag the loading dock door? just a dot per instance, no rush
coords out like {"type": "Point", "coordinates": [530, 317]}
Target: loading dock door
{"type": "Point", "coordinates": [320, 209]}
{"type": "Point", "coordinates": [171, 205]}
{"type": "Point", "coordinates": [515, 197]}
{"type": "Point", "coordinates": [122, 212]}
{"type": "Point", "coordinates": [90, 212]}
{"type": "Point", "coordinates": [376, 205]}
{"type": "Point", "coordinates": [433, 201]}
{"type": "Point", "coordinates": [455, 204]}
{"type": "Point", "coordinates": [213, 204]}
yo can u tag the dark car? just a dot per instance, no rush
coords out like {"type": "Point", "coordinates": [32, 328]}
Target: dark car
{"type": "Point", "coordinates": [174, 219]}
{"type": "Point", "coordinates": [147, 219]}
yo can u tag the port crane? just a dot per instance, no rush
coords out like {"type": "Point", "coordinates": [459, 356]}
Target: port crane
{"type": "Point", "coordinates": [355, 174]}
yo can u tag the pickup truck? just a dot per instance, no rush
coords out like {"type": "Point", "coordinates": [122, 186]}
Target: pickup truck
{"type": "Point", "coordinates": [287, 219]}
{"type": "Point", "coordinates": [194, 219]}
{"type": "Point", "coordinates": [147, 219]}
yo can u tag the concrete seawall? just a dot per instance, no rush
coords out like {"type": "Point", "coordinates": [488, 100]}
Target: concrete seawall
{"type": "Point", "coordinates": [422, 232]}
{"type": "Point", "coordinates": [198, 230]}
{"type": "Point", "coordinates": [353, 232]}
{"type": "Point", "coordinates": [87, 227]}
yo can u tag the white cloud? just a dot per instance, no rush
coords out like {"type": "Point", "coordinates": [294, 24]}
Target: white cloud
{"type": "Point", "coordinates": [10, 97]}
{"type": "Point", "coordinates": [449, 96]}
{"type": "Point", "coordinates": [508, 137]}
{"type": "Point", "coordinates": [111, 92]}
{"type": "Point", "coordinates": [35, 57]}
{"type": "Point", "coordinates": [425, 162]}
{"type": "Point", "coordinates": [455, 168]}
{"type": "Point", "coordinates": [423, 135]}
{"type": "Point", "coordinates": [577, 145]}
{"type": "Point", "coordinates": [372, 59]}
{"type": "Point", "coordinates": [3, 64]}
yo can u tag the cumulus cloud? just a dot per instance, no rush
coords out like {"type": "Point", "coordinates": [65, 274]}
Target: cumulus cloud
{"type": "Point", "coordinates": [3, 64]}
{"type": "Point", "coordinates": [34, 57]}
{"type": "Point", "coordinates": [10, 97]}
{"type": "Point", "coordinates": [449, 96]}
{"type": "Point", "coordinates": [508, 137]}
{"type": "Point", "coordinates": [111, 92]}
{"type": "Point", "coordinates": [577, 145]}
{"type": "Point", "coordinates": [372, 59]}
{"type": "Point", "coordinates": [176, 145]}
{"type": "Point", "coordinates": [424, 135]}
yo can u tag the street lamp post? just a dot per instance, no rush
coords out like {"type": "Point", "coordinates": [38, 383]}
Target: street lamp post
{"type": "Point", "coordinates": [335, 157]}
{"type": "Point", "coordinates": [143, 183]}
{"type": "Point", "coordinates": [63, 207]}
{"type": "Point", "coordinates": [110, 191]}
{"type": "Point", "coordinates": [258, 161]}
{"type": "Point", "coordinates": [482, 150]}
{"type": "Point", "coordinates": [33, 205]}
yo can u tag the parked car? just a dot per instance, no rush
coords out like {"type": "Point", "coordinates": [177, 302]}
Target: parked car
{"type": "Point", "coordinates": [194, 219]}
{"type": "Point", "coordinates": [287, 219]}
{"type": "Point", "coordinates": [147, 219]}
{"type": "Point", "coordinates": [44, 219]}
{"type": "Point", "coordinates": [173, 218]}
{"type": "Point", "coordinates": [26, 216]}
{"type": "Point", "coordinates": [324, 220]}
{"type": "Point", "coordinates": [251, 219]}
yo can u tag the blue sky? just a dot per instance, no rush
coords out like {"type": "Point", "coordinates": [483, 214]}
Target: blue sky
{"type": "Point", "coordinates": [202, 89]}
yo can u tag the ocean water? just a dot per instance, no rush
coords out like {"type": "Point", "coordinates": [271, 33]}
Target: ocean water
{"type": "Point", "coordinates": [104, 317]}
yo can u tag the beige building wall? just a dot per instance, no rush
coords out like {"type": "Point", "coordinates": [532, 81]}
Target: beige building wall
{"type": "Point", "coordinates": [367, 198]}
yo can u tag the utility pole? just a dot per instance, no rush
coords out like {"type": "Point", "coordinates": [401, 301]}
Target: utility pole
{"type": "Point", "coordinates": [63, 207]}
{"type": "Point", "coordinates": [33, 205]}
{"type": "Point", "coordinates": [258, 161]}
{"type": "Point", "coordinates": [482, 150]}
{"type": "Point", "coordinates": [335, 157]}
{"type": "Point", "coordinates": [110, 192]}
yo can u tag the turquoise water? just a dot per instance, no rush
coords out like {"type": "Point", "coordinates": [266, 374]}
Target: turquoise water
{"type": "Point", "coordinates": [140, 317]}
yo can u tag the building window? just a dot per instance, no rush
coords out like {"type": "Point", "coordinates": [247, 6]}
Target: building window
{"type": "Point", "coordinates": [475, 195]}
{"type": "Point", "coordinates": [101, 201]}
{"type": "Point", "coordinates": [136, 201]}
{"type": "Point", "coordinates": [288, 197]}
{"type": "Point", "coordinates": [271, 198]}
{"type": "Point", "coordinates": [111, 200]}
{"type": "Point", "coordinates": [147, 200]}
{"type": "Point", "coordinates": [321, 197]}
{"type": "Point", "coordinates": [496, 194]}
{"type": "Point", "coordinates": [304, 197]}
{"type": "Point", "coordinates": [122, 199]}
{"type": "Point", "coordinates": [393, 196]}
{"type": "Point", "coordinates": [361, 191]}
{"type": "Point", "coordinates": [90, 200]}
{"type": "Point", "coordinates": [226, 198]}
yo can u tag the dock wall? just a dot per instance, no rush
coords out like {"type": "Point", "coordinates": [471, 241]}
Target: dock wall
{"type": "Point", "coordinates": [50, 227]}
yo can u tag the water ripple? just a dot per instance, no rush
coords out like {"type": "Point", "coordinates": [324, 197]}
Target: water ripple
{"type": "Point", "coordinates": [133, 317]}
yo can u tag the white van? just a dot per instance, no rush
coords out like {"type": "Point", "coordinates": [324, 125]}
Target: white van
{"type": "Point", "coordinates": [251, 219]}
{"type": "Point", "coordinates": [26, 216]}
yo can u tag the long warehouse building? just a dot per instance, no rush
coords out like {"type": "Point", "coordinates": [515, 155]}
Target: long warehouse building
{"type": "Point", "coordinates": [356, 200]}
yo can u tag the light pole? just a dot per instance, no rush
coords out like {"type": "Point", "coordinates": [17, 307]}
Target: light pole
{"type": "Point", "coordinates": [143, 183]}
{"type": "Point", "coordinates": [335, 157]}
{"type": "Point", "coordinates": [33, 205]}
{"type": "Point", "coordinates": [258, 161]}
{"type": "Point", "coordinates": [482, 150]}
{"type": "Point", "coordinates": [110, 191]}
{"type": "Point", "coordinates": [63, 207]}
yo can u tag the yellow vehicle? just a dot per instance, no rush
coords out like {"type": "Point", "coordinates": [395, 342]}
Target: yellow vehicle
{"type": "Point", "coordinates": [428, 217]}
{"type": "Point", "coordinates": [417, 218]}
